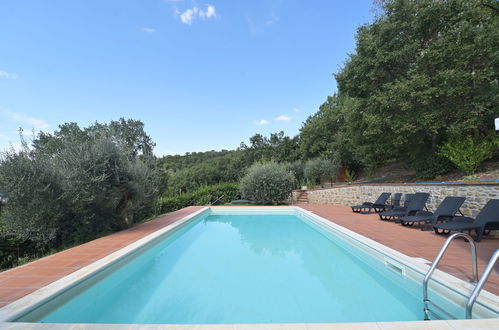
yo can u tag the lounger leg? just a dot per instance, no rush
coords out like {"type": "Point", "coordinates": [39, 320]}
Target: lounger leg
{"type": "Point", "coordinates": [479, 233]}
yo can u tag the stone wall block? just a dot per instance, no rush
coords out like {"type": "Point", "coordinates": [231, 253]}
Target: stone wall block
{"type": "Point", "coordinates": [476, 195]}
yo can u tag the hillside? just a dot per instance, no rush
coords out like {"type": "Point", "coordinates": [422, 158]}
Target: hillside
{"type": "Point", "coordinates": [400, 172]}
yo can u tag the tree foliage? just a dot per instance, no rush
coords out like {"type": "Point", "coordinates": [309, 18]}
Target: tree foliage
{"type": "Point", "coordinates": [191, 171]}
{"type": "Point", "coordinates": [78, 183]}
{"type": "Point", "coordinates": [468, 153]}
{"type": "Point", "coordinates": [267, 183]}
{"type": "Point", "coordinates": [321, 168]}
{"type": "Point", "coordinates": [422, 71]}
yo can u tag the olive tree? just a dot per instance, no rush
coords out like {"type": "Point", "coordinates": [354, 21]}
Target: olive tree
{"type": "Point", "coordinates": [267, 183]}
{"type": "Point", "coordinates": [318, 168]}
{"type": "Point", "coordinates": [76, 184]}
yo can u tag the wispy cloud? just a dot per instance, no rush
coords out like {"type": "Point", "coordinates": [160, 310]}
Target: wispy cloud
{"type": "Point", "coordinates": [263, 122]}
{"type": "Point", "coordinates": [191, 14]}
{"type": "Point", "coordinates": [296, 110]}
{"type": "Point", "coordinates": [283, 118]}
{"type": "Point", "coordinates": [259, 26]}
{"type": "Point", "coordinates": [148, 30]}
{"type": "Point", "coordinates": [20, 118]}
{"type": "Point", "coordinates": [273, 20]}
{"type": "Point", "coordinates": [11, 122]}
{"type": "Point", "coordinates": [8, 75]}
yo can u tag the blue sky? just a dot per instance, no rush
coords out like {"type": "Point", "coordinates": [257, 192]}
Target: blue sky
{"type": "Point", "coordinates": [200, 75]}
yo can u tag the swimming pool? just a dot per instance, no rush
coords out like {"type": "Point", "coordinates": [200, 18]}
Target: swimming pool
{"type": "Point", "coordinates": [279, 265]}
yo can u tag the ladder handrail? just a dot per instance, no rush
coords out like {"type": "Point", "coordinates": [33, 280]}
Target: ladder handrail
{"type": "Point", "coordinates": [219, 198]}
{"type": "Point", "coordinates": [481, 283]}
{"type": "Point", "coordinates": [437, 261]}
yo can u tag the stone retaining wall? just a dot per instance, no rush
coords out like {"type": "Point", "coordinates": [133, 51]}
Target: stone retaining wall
{"type": "Point", "coordinates": [476, 195]}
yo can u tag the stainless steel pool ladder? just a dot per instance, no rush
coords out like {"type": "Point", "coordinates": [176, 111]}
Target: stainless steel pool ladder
{"type": "Point", "coordinates": [474, 268]}
{"type": "Point", "coordinates": [216, 200]}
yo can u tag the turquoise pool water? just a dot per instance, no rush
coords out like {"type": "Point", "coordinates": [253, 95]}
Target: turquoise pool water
{"type": "Point", "coordinates": [246, 269]}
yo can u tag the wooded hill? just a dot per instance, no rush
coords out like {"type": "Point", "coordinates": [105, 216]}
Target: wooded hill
{"type": "Point", "coordinates": [422, 87]}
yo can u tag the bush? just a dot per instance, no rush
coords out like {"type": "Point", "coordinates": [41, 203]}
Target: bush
{"type": "Point", "coordinates": [297, 168]}
{"type": "Point", "coordinates": [202, 196]}
{"type": "Point", "coordinates": [431, 166]}
{"type": "Point", "coordinates": [267, 183]}
{"type": "Point", "coordinates": [349, 175]}
{"type": "Point", "coordinates": [13, 250]}
{"type": "Point", "coordinates": [468, 153]}
{"type": "Point", "coordinates": [318, 168]}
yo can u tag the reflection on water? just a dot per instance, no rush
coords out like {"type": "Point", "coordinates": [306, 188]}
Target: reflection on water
{"type": "Point", "coordinates": [245, 269]}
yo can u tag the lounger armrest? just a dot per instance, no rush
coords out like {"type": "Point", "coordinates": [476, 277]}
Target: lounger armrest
{"type": "Point", "coordinates": [442, 218]}
{"type": "Point", "coordinates": [463, 219]}
{"type": "Point", "coordinates": [424, 213]}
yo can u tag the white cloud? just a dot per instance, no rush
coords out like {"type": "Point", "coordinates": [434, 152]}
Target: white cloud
{"type": "Point", "coordinates": [37, 124]}
{"type": "Point", "coordinates": [8, 75]}
{"type": "Point", "coordinates": [148, 30]}
{"type": "Point", "coordinates": [273, 20]}
{"type": "Point", "coordinates": [296, 110]}
{"type": "Point", "coordinates": [263, 122]}
{"type": "Point", "coordinates": [188, 16]}
{"type": "Point", "coordinates": [283, 118]}
{"type": "Point", "coordinates": [209, 13]}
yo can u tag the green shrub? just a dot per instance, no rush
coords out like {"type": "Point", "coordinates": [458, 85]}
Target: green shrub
{"type": "Point", "coordinates": [267, 183]}
{"type": "Point", "coordinates": [318, 168]}
{"type": "Point", "coordinates": [202, 196]}
{"type": "Point", "coordinates": [468, 153]}
{"type": "Point", "coordinates": [297, 168]}
{"type": "Point", "coordinates": [12, 250]}
{"type": "Point", "coordinates": [431, 166]}
{"type": "Point", "coordinates": [349, 175]}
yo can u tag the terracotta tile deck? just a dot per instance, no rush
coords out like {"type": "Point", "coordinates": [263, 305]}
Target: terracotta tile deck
{"type": "Point", "coordinates": [20, 281]}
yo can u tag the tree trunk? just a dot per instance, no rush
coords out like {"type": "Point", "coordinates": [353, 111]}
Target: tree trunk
{"type": "Point", "coordinates": [125, 197]}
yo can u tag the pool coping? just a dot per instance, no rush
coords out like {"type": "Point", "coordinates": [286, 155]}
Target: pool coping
{"type": "Point", "coordinates": [30, 302]}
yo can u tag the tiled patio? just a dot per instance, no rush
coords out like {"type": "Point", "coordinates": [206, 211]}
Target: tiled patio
{"type": "Point", "coordinates": [18, 282]}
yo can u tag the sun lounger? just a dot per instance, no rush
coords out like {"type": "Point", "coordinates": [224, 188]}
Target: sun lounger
{"type": "Point", "coordinates": [416, 203]}
{"type": "Point", "coordinates": [396, 210]}
{"type": "Point", "coordinates": [394, 201]}
{"type": "Point", "coordinates": [444, 212]}
{"type": "Point", "coordinates": [378, 205]}
{"type": "Point", "coordinates": [487, 219]}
